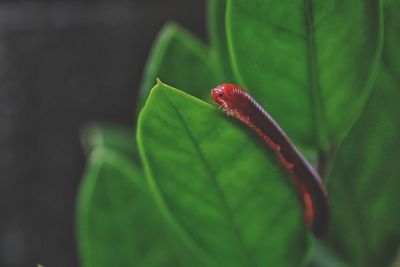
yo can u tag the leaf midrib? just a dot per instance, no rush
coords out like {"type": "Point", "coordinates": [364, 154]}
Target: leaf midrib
{"type": "Point", "coordinates": [313, 76]}
{"type": "Point", "coordinates": [220, 194]}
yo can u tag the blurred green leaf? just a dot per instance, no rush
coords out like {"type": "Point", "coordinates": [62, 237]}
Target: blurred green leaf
{"type": "Point", "coordinates": [365, 183]}
{"type": "Point", "coordinates": [396, 262]}
{"type": "Point", "coordinates": [225, 195]}
{"type": "Point", "coordinates": [218, 42]}
{"type": "Point", "coordinates": [323, 256]}
{"type": "Point", "coordinates": [312, 64]}
{"type": "Point", "coordinates": [119, 138]}
{"type": "Point", "coordinates": [118, 221]}
{"type": "Point", "coordinates": [391, 52]}
{"type": "Point", "coordinates": [180, 59]}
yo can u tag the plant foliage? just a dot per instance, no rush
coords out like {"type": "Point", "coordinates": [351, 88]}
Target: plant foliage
{"type": "Point", "coordinates": [201, 190]}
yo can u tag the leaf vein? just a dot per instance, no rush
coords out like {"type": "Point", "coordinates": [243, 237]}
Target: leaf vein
{"type": "Point", "coordinates": [217, 187]}
{"type": "Point", "coordinates": [313, 76]}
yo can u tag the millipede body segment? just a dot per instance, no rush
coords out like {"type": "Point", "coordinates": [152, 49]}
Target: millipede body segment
{"type": "Point", "coordinates": [238, 102]}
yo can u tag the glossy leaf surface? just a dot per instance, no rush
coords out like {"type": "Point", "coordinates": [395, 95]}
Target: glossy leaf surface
{"type": "Point", "coordinates": [311, 64]}
{"type": "Point", "coordinates": [224, 193]}
{"type": "Point", "coordinates": [365, 183]}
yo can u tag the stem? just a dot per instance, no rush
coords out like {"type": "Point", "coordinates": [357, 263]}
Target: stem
{"type": "Point", "coordinates": [325, 160]}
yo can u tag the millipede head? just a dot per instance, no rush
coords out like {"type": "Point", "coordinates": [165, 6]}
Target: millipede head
{"type": "Point", "coordinates": [218, 95]}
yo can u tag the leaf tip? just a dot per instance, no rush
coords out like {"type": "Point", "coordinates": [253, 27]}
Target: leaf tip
{"type": "Point", "coordinates": [159, 82]}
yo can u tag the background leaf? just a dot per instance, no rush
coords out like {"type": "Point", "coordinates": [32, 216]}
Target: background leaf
{"type": "Point", "coordinates": [218, 41]}
{"type": "Point", "coordinates": [224, 193]}
{"type": "Point", "coordinates": [119, 138]}
{"type": "Point", "coordinates": [391, 52]}
{"type": "Point", "coordinates": [181, 59]}
{"type": "Point", "coordinates": [118, 223]}
{"type": "Point", "coordinates": [323, 256]}
{"type": "Point", "coordinates": [365, 186]}
{"type": "Point", "coordinates": [310, 63]}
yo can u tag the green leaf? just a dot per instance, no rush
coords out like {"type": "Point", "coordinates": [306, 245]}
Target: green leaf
{"type": "Point", "coordinates": [223, 192]}
{"type": "Point", "coordinates": [391, 54]}
{"type": "Point", "coordinates": [312, 64]}
{"type": "Point", "coordinates": [182, 60]}
{"type": "Point", "coordinates": [118, 221]}
{"type": "Point", "coordinates": [365, 183]}
{"type": "Point", "coordinates": [119, 138]}
{"type": "Point", "coordinates": [218, 41]}
{"type": "Point", "coordinates": [325, 257]}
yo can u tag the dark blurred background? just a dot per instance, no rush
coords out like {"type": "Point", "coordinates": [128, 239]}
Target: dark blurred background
{"type": "Point", "coordinates": [64, 64]}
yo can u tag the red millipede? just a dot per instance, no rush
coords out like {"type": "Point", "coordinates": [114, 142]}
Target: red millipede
{"type": "Point", "coordinates": [311, 190]}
